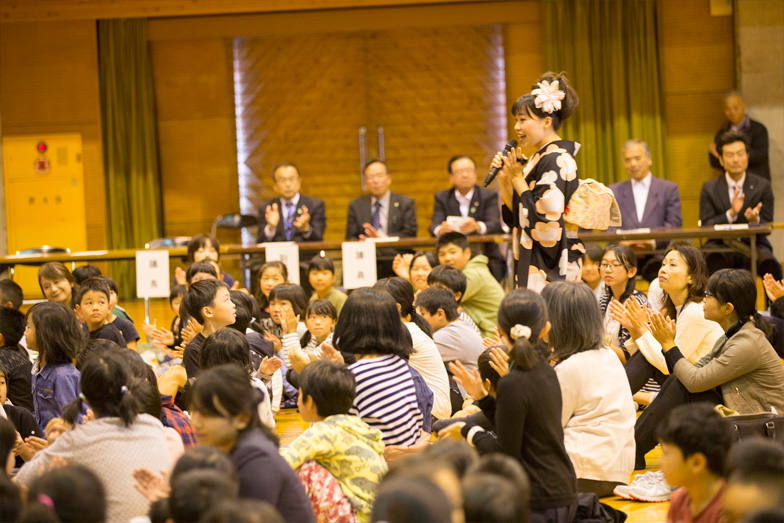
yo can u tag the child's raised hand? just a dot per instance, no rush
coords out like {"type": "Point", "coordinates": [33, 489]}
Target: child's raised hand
{"type": "Point", "coordinates": [268, 365]}
{"type": "Point", "coordinates": [289, 321]}
{"type": "Point", "coordinates": [471, 382]}
{"type": "Point", "coordinates": [150, 485]}
{"type": "Point", "coordinates": [331, 353]}
{"type": "Point", "coordinates": [277, 345]}
{"type": "Point", "coordinates": [499, 361]}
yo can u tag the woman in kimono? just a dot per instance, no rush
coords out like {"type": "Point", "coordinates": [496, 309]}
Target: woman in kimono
{"type": "Point", "coordinates": [535, 193]}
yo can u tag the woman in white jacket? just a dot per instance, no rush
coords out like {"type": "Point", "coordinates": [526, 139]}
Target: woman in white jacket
{"type": "Point", "coordinates": [598, 414]}
{"type": "Point", "coordinates": [682, 278]}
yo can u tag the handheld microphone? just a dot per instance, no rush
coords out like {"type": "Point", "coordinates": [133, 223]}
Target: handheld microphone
{"type": "Point", "coordinates": [494, 171]}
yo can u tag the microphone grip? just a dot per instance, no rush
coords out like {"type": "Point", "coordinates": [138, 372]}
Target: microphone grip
{"type": "Point", "coordinates": [494, 171]}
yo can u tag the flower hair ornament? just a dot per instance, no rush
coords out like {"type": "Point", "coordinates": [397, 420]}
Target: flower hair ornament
{"type": "Point", "coordinates": [548, 96]}
{"type": "Point", "coordinates": [520, 331]}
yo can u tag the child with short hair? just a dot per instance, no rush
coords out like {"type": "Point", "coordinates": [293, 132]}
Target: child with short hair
{"type": "Point", "coordinates": [590, 271]}
{"type": "Point", "coordinates": [93, 304]}
{"type": "Point", "coordinates": [56, 282]}
{"type": "Point", "coordinates": [321, 275]}
{"type": "Point", "coordinates": [483, 294]}
{"type": "Point", "coordinates": [118, 317]}
{"type": "Point", "coordinates": [14, 358]}
{"type": "Point", "coordinates": [271, 274]}
{"type": "Point", "coordinates": [85, 272]}
{"type": "Point", "coordinates": [203, 247]}
{"type": "Point", "coordinates": [11, 294]}
{"type": "Point", "coordinates": [347, 447]}
{"type": "Point", "coordinates": [695, 441]}
{"type": "Point", "coordinates": [198, 271]}
{"type": "Point", "coordinates": [454, 339]}
{"type": "Point", "coordinates": [453, 279]}
{"type": "Point", "coordinates": [209, 303]}
{"type": "Point", "coordinates": [320, 319]}
{"type": "Point", "coordinates": [55, 334]}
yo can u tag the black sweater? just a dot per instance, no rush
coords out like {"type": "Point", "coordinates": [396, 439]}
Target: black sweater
{"type": "Point", "coordinates": [527, 419]}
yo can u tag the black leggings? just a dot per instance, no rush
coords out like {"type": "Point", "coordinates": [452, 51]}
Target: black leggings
{"type": "Point", "coordinates": [672, 394]}
{"type": "Point", "coordinates": [639, 371]}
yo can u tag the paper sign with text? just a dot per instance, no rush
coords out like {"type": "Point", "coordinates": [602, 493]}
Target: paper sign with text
{"type": "Point", "coordinates": [359, 264]}
{"type": "Point", "coordinates": [286, 252]}
{"type": "Point", "coordinates": [152, 274]}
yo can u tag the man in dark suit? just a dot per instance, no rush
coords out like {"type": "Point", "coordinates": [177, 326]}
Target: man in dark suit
{"type": "Point", "coordinates": [646, 202]}
{"type": "Point", "coordinates": [756, 134]}
{"type": "Point", "coordinates": [477, 207]}
{"type": "Point", "coordinates": [381, 213]}
{"type": "Point", "coordinates": [738, 196]}
{"type": "Point", "coordinates": [291, 216]}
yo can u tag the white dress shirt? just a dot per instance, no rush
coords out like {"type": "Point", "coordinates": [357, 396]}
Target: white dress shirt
{"type": "Point", "coordinates": [465, 207]}
{"type": "Point", "coordinates": [731, 184]}
{"type": "Point", "coordinates": [284, 214]}
{"type": "Point", "coordinates": [640, 190]}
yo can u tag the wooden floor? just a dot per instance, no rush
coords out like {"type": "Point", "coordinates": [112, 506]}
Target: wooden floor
{"type": "Point", "coordinates": [290, 425]}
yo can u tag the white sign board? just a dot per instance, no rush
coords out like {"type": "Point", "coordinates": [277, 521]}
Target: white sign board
{"type": "Point", "coordinates": [359, 264]}
{"type": "Point", "coordinates": [286, 252]}
{"type": "Point", "coordinates": [152, 274]}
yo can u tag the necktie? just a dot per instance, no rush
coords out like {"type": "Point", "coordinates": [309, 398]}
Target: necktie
{"type": "Point", "coordinates": [289, 219]}
{"type": "Point", "coordinates": [376, 221]}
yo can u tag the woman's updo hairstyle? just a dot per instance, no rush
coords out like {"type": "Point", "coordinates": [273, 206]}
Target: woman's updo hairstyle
{"type": "Point", "coordinates": [736, 286]}
{"type": "Point", "coordinates": [526, 104]}
{"type": "Point", "coordinates": [522, 317]}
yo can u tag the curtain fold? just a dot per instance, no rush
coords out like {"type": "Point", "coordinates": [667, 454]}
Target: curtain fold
{"type": "Point", "coordinates": [609, 51]}
{"type": "Point", "coordinates": [133, 188]}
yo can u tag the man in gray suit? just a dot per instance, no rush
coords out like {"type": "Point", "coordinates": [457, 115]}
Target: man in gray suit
{"type": "Point", "coordinates": [646, 202]}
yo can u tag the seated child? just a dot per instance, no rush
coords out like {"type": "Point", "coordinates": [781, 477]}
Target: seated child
{"type": "Point", "coordinates": [14, 358]}
{"type": "Point", "coordinates": [454, 339]}
{"type": "Point", "coordinates": [11, 294]}
{"type": "Point", "coordinates": [590, 272]}
{"type": "Point", "coordinates": [755, 479]}
{"type": "Point", "coordinates": [202, 247]}
{"type": "Point", "coordinates": [453, 279]}
{"type": "Point", "coordinates": [270, 274]}
{"type": "Point", "coordinates": [483, 294]}
{"type": "Point", "coordinates": [695, 441]}
{"type": "Point", "coordinates": [344, 445]}
{"type": "Point", "coordinates": [198, 271]}
{"type": "Point", "coordinates": [85, 272]}
{"type": "Point", "coordinates": [22, 420]}
{"type": "Point", "coordinates": [118, 317]}
{"type": "Point", "coordinates": [209, 303]}
{"type": "Point", "coordinates": [168, 338]}
{"type": "Point", "coordinates": [320, 318]}
{"type": "Point", "coordinates": [321, 275]}
{"type": "Point", "coordinates": [93, 304]}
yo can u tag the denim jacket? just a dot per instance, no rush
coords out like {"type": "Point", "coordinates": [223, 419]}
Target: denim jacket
{"type": "Point", "coordinates": [54, 386]}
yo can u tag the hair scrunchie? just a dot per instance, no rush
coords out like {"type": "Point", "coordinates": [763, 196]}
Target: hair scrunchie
{"type": "Point", "coordinates": [520, 331]}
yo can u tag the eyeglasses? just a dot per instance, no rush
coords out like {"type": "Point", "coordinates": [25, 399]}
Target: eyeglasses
{"type": "Point", "coordinates": [614, 266]}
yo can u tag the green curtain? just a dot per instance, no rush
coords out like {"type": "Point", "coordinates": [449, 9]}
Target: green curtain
{"type": "Point", "coordinates": [609, 51]}
{"type": "Point", "coordinates": [134, 211]}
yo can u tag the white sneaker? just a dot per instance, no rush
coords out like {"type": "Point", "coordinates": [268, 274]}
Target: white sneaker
{"type": "Point", "coordinates": [649, 486]}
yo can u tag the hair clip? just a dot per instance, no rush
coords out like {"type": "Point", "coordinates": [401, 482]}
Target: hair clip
{"type": "Point", "coordinates": [123, 389]}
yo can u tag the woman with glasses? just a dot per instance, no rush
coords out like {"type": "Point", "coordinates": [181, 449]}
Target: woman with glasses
{"type": "Point", "coordinates": [618, 270]}
{"type": "Point", "coordinates": [682, 278]}
{"type": "Point", "coordinates": [742, 372]}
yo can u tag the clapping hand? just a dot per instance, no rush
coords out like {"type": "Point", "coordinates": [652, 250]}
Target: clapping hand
{"type": "Point", "coordinates": [752, 214]}
{"type": "Point", "coordinates": [289, 320]}
{"type": "Point", "coordinates": [302, 222]}
{"type": "Point", "coordinates": [331, 353]}
{"type": "Point", "coordinates": [152, 486]}
{"type": "Point", "coordinates": [663, 329]}
{"type": "Point", "coordinates": [400, 265]}
{"type": "Point", "coordinates": [774, 289]}
{"type": "Point", "coordinates": [499, 361]}
{"type": "Point", "coordinates": [277, 345]}
{"type": "Point", "coordinates": [269, 366]}
{"type": "Point", "coordinates": [470, 381]}
{"type": "Point", "coordinates": [272, 216]}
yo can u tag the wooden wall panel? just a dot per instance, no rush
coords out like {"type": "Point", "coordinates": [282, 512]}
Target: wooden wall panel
{"type": "Point", "coordinates": [308, 115]}
{"type": "Point", "coordinates": [436, 92]}
{"type": "Point", "coordinates": [698, 67]}
{"type": "Point", "coordinates": [195, 106]}
{"type": "Point", "coordinates": [49, 84]}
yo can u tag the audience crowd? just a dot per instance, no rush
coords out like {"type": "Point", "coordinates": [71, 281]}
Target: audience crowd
{"type": "Point", "coordinates": [437, 394]}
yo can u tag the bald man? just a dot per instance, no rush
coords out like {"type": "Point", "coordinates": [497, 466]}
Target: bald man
{"type": "Point", "coordinates": [757, 134]}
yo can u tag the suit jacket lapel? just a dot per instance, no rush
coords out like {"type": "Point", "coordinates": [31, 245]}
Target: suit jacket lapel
{"type": "Point", "coordinates": [393, 215]}
{"type": "Point", "coordinates": [452, 205]}
{"type": "Point", "coordinates": [627, 203]}
{"type": "Point", "coordinates": [724, 192]}
{"type": "Point", "coordinates": [476, 200]}
{"type": "Point", "coordinates": [651, 202]}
